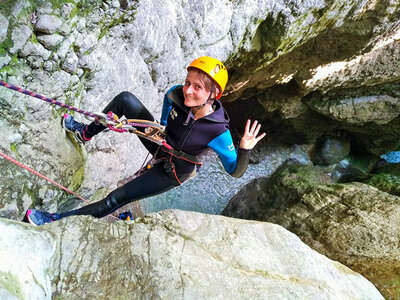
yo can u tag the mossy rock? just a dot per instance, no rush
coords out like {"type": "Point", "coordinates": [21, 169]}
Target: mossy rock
{"type": "Point", "coordinates": [386, 179]}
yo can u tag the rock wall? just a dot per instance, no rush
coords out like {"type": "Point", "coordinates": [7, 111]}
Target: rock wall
{"type": "Point", "coordinates": [169, 255]}
{"type": "Point", "coordinates": [353, 223]}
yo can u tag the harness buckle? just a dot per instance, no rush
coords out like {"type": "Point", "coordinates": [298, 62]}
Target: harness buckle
{"type": "Point", "coordinates": [169, 167]}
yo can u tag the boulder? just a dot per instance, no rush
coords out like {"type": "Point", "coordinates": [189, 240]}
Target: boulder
{"type": "Point", "coordinates": [49, 40]}
{"type": "Point", "coordinates": [169, 255]}
{"type": "Point", "coordinates": [330, 150]}
{"type": "Point", "coordinates": [48, 23]}
{"type": "Point", "coordinates": [19, 36]}
{"type": "Point", "coordinates": [355, 223]}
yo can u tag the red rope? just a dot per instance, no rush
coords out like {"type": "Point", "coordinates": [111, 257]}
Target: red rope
{"type": "Point", "coordinates": [42, 176]}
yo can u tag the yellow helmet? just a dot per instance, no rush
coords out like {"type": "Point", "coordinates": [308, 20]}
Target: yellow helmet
{"type": "Point", "coordinates": [214, 68]}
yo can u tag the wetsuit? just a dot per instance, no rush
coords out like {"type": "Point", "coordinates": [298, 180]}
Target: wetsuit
{"type": "Point", "coordinates": [184, 134]}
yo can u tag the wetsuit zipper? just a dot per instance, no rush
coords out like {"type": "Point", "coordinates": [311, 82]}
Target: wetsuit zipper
{"type": "Point", "coordinates": [185, 136]}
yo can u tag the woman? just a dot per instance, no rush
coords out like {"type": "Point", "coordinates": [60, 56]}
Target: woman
{"type": "Point", "coordinates": [195, 120]}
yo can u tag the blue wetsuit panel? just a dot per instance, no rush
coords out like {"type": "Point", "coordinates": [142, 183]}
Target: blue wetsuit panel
{"type": "Point", "coordinates": [167, 105]}
{"type": "Point", "coordinates": [223, 146]}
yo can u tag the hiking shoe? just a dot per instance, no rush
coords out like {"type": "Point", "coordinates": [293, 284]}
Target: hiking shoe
{"type": "Point", "coordinates": [127, 216]}
{"type": "Point", "coordinates": [38, 218]}
{"type": "Point", "coordinates": [76, 128]}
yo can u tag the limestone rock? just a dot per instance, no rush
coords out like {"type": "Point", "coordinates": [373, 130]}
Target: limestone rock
{"type": "Point", "coordinates": [355, 224]}
{"type": "Point", "coordinates": [19, 35]}
{"type": "Point", "coordinates": [71, 63]}
{"type": "Point", "coordinates": [26, 257]}
{"type": "Point", "coordinates": [330, 150]}
{"type": "Point", "coordinates": [49, 40]}
{"type": "Point", "coordinates": [48, 23]}
{"type": "Point", "coordinates": [4, 60]}
{"type": "Point", "coordinates": [176, 254]}
{"type": "Point", "coordinates": [34, 49]}
{"type": "Point", "coordinates": [379, 109]}
{"type": "Point", "coordinates": [3, 27]}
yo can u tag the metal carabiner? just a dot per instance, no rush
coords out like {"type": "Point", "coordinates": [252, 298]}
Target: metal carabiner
{"type": "Point", "coordinates": [101, 118]}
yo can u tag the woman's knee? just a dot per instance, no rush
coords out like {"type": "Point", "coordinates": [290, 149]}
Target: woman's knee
{"type": "Point", "coordinates": [130, 106]}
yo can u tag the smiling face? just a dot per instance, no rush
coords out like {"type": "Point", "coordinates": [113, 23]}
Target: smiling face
{"type": "Point", "coordinates": [196, 90]}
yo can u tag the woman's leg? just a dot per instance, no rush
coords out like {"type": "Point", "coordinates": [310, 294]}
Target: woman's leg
{"type": "Point", "coordinates": [151, 182]}
{"type": "Point", "coordinates": [125, 104]}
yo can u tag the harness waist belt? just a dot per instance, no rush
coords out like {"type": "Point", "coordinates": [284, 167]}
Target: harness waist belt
{"type": "Point", "coordinates": [180, 154]}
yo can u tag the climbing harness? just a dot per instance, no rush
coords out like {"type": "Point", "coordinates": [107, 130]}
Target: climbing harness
{"type": "Point", "coordinates": [169, 165]}
{"type": "Point", "coordinates": [153, 131]}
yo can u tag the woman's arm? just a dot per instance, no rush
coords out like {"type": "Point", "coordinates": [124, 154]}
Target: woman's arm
{"type": "Point", "coordinates": [236, 162]}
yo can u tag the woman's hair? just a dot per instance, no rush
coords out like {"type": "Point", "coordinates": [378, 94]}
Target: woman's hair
{"type": "Point", "coordinates": [207, 80]}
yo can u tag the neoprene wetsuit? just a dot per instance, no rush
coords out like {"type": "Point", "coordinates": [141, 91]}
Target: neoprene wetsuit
{"type": "Point", "coordinates": [183, 133]}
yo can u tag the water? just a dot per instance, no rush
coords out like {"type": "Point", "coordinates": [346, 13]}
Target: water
{"type": "Point", "coordinates": [210, 191]}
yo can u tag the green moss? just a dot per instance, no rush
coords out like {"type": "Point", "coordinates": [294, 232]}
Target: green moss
{"type": "Point", "coordinates": [6, 6]}
{"type": "Point", "coordinates": [14, 149]}
{"type": "Point", "coordinates": [77, 179]}
{"type": "Point", "coordinates": [5, 46]}
{"type": "Point", "coordinates": [11, 283]}
{"type": "Point", "coordinates": [388, 183]}
{"type": "Point", "coordinates": [12, 69]}
{"type": "Point", "coordinates": [263, 273]}
{"type": "Point", "coordinates": [391, 287]}
{"type": "Point", "coordinates": [33, 39]}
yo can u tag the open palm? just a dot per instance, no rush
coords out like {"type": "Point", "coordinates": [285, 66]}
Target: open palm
{"type": "Point", "coordinates": [250, 138]}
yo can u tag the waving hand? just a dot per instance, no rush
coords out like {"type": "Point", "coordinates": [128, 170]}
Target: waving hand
{"type": "Point", "coordinates": [250, 139]}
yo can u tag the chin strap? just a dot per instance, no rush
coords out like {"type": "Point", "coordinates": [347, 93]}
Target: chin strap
{"type": "Point", "coordinates": [209, 99]}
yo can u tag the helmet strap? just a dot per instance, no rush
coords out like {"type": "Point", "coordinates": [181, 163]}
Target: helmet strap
{"type": "Point", "coordinates": [209, 99]}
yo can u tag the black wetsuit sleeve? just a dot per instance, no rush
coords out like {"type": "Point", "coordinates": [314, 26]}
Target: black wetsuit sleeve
{"type": "Point", "coordinates": [242, 163]}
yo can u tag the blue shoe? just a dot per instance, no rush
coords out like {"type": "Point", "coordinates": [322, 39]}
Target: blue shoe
{"type": "Point", "coordinates": [127, 216]}
{"type": "Point", "coordinates": [76, 128]}
{"type": "Point", "coordinates": [38, 218]}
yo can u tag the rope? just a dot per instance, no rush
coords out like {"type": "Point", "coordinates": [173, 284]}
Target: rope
{"type": "Point", "coordinates": [42, 176]}
{"type": "Point", "coordinates": [48, 179]}
{"type": "Point", "coordinates": [49, 100]}
{"type": "Point", "coordinates": [55, 102]}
